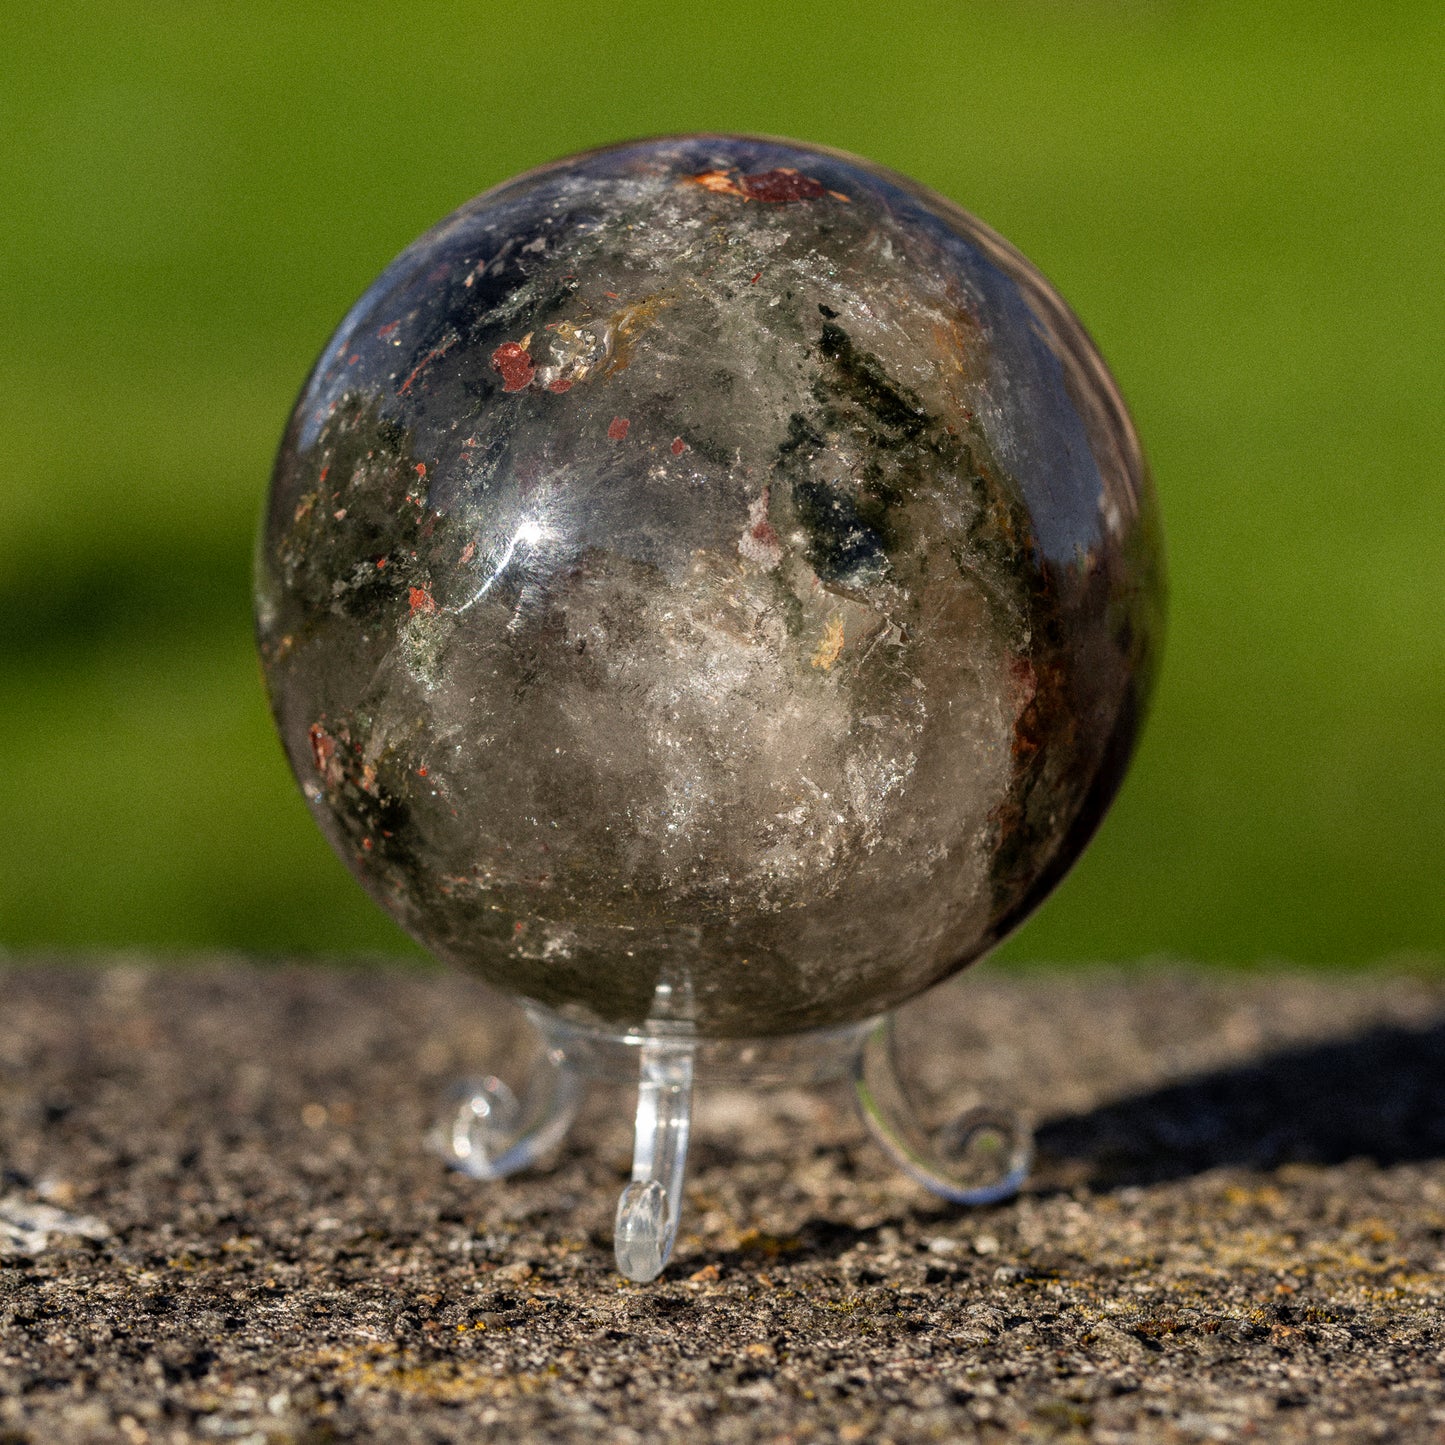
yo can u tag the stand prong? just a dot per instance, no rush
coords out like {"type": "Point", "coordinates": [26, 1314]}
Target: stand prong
{"type": "Point", "coordinates": [648, 1211]}
{"type": "Point", "coordinates": [981, 1157]}
{"type": "Point", "coordinates": [487, 1132]}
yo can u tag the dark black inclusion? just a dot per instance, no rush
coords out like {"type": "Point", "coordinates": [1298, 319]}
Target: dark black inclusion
{"type": "Point", "coordinates": [842, 547]}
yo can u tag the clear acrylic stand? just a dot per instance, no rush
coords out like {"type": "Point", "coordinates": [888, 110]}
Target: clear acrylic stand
{"type": "Point", "coordinates": [488, 1131]}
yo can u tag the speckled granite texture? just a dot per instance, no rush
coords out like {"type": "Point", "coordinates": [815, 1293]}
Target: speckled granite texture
{"type": "Point", "coordinates": [1237, 1228]}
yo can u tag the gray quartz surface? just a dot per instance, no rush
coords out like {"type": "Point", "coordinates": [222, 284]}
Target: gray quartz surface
{"type": "Point", "coordinates": [218, 1222]}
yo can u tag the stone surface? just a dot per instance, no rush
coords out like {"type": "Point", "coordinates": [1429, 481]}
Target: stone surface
{"type": "Point", "coordinates": [1237, 1229]}
{"type": "Point", "coordinates": [710, 578]}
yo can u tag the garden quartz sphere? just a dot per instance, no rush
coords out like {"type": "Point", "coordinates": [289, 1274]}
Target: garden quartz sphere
{"type": "Point", "coordinates": [709, 579]}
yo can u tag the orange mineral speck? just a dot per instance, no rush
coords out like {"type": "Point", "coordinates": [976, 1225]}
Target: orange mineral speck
{"type": "Point", "coordinates": [831, 645]}
{"type": "Point", "coordinates": [719, 182]}
{"type": "Point", "coordinates": [617, 428]}
{"type": "Point", "coordinates": [421, 600]}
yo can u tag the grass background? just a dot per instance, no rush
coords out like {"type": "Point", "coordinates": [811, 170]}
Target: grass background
{"type": "Point", "coordinates": [1245, 203]}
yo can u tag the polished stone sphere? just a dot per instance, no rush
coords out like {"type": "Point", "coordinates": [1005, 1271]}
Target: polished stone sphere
{"type": "Point", "coordinates": [710, 579]}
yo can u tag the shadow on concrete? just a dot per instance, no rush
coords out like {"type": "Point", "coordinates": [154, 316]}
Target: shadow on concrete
{"type": "Point", "coordinates": [1378, 1096]}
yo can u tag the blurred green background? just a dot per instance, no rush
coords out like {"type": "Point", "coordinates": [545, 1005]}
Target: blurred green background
{"type": "Point", "coordinates": [1244, 202]}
